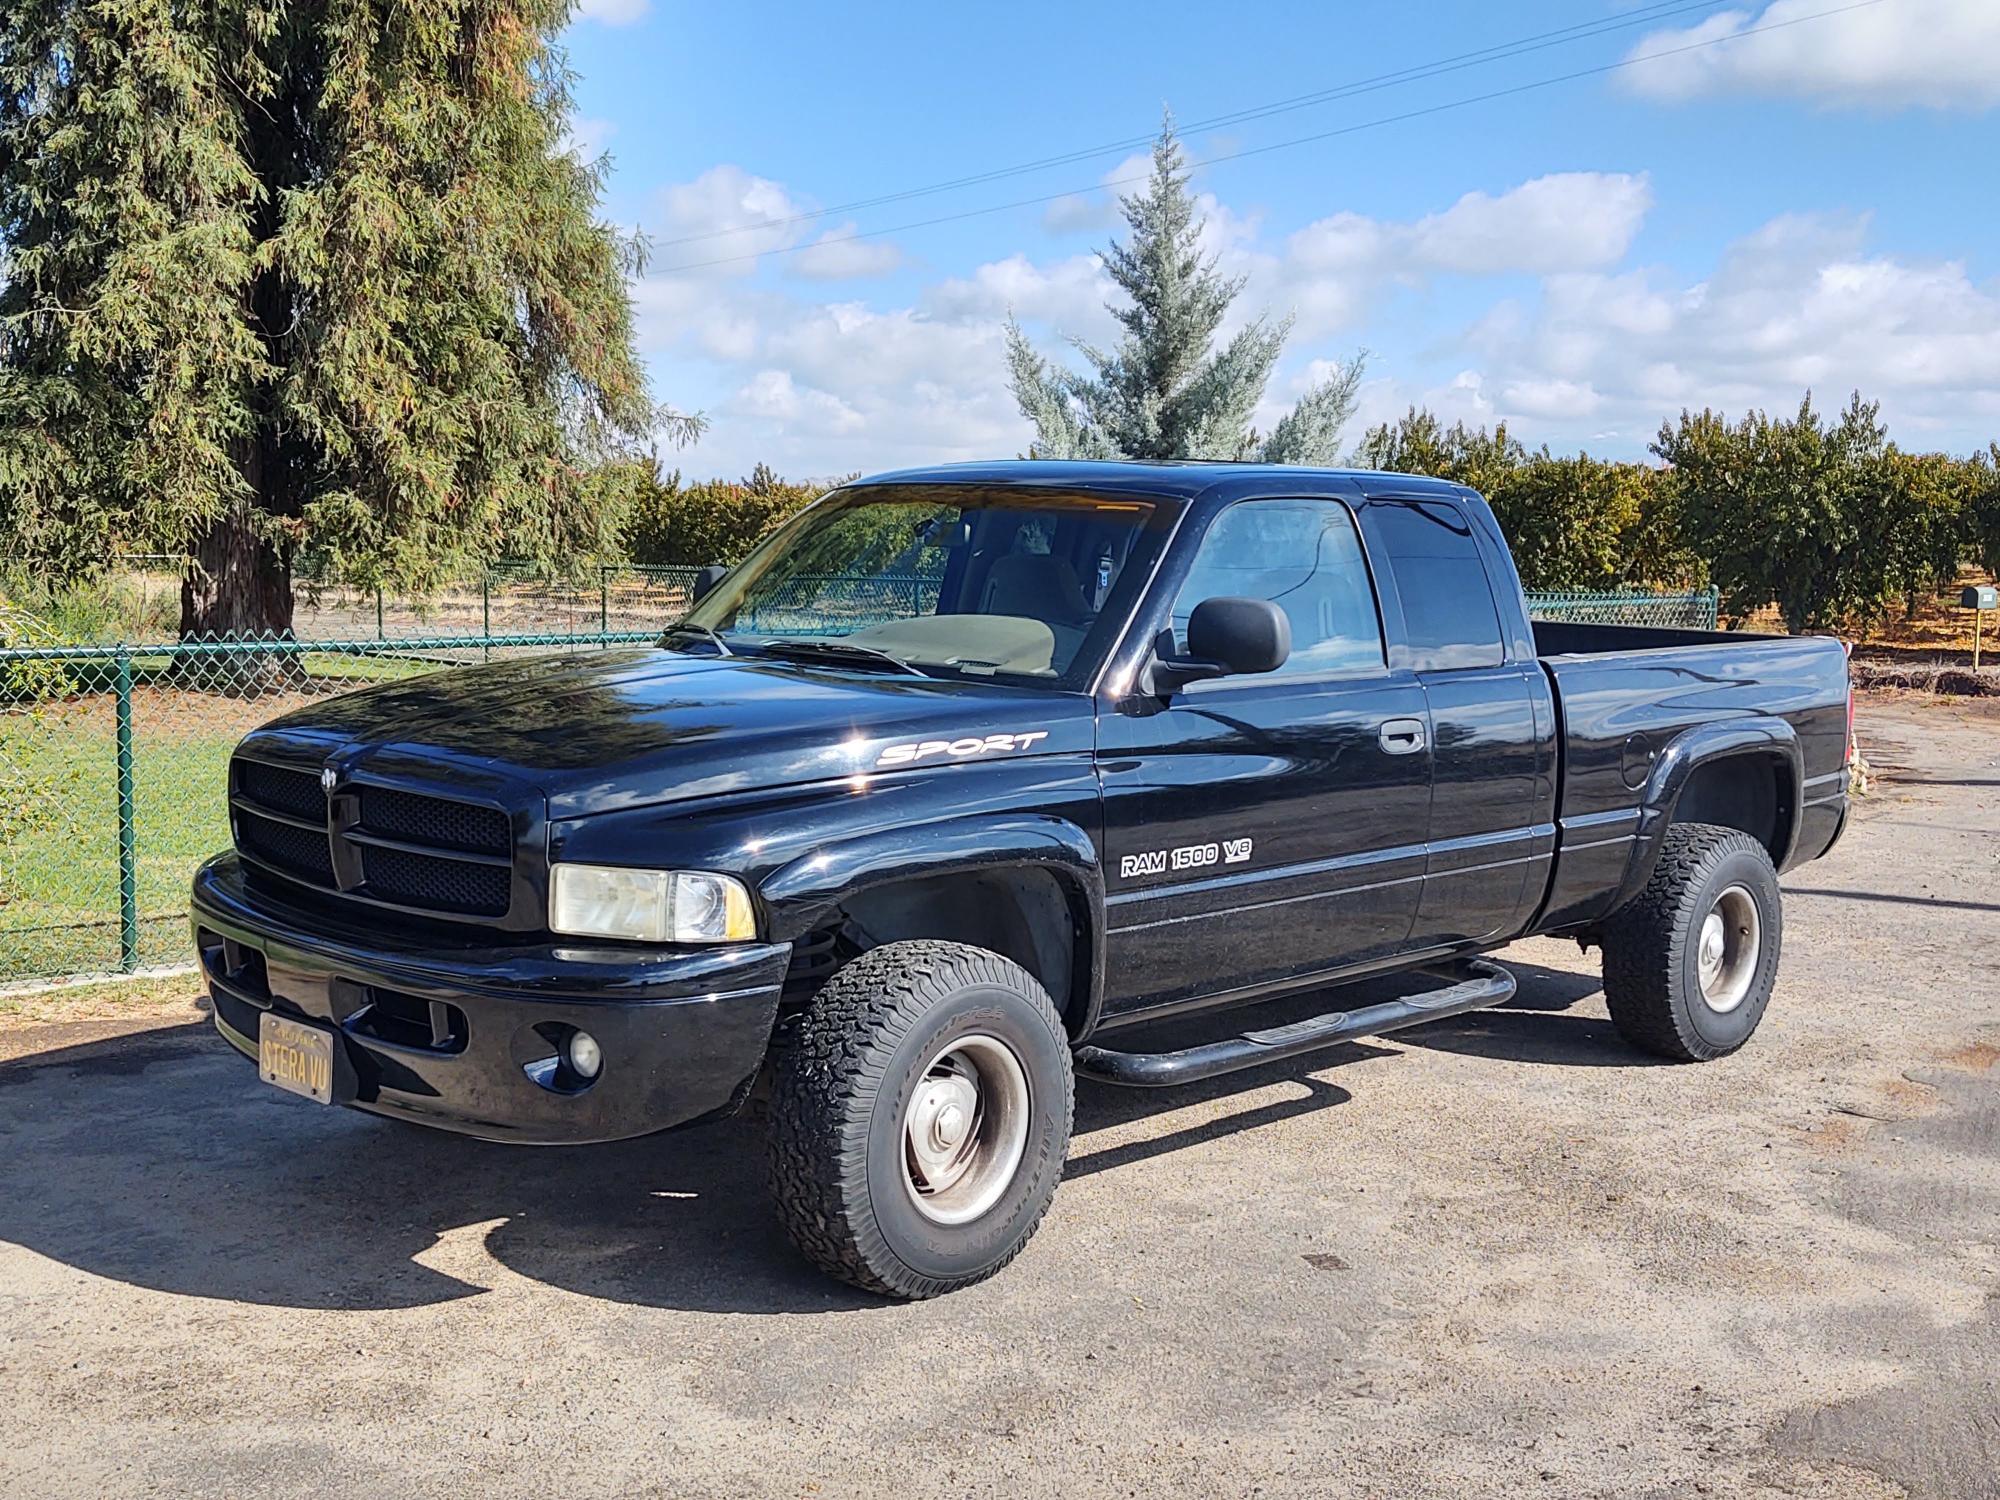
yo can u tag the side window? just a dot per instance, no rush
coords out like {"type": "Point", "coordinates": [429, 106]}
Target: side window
{"type": "Point", "coordinates": [1448, 610]}
{"type": "Point", "coordinates": [1304, 556]}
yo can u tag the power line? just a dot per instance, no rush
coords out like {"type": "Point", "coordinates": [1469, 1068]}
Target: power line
{"type": "Point", "coordinates": [1658, 10]}
{"type": "Point", "coordinates": [1303, 140]}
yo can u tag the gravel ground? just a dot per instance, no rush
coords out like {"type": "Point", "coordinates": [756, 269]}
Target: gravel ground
{"type": "Point", "coordinates": [1501, 1255]}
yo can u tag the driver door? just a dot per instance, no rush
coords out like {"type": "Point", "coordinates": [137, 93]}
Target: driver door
{"type": "Point", "coordinates": [1259, 828]}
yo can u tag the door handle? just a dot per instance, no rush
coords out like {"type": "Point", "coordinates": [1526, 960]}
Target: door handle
{"type": "Point", "coordinates": [1402, 736]}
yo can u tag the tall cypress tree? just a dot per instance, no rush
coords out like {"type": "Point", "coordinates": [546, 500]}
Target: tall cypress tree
{"type": "Point", "coordinates": [302, 274]}
{"type": "Point", "coordinates": [1163, 392]}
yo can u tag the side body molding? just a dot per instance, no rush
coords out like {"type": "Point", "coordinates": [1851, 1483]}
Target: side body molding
{"type": "Point", "coordinates": [801, 894]}
{"type": "Point", "coordinates": [1703, 745]}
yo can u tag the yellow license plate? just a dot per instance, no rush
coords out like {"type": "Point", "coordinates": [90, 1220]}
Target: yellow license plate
{"type": "Point", "coordinates": [295, 1056]}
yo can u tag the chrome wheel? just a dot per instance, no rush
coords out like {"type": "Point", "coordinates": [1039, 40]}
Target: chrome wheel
{"type": "Point", "coordinates": [1730, 942]}
{"type": "Point", "coordinates": [965, 1129]}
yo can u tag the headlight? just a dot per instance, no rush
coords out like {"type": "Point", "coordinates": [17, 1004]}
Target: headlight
{"type": "Point", "coordinates": [654, 906]}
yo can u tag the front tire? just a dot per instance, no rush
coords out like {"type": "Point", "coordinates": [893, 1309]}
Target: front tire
{"type": "Point", "coordinates": [920, 1115]}
{"type": "Point", "coordinates": [1690, 962]}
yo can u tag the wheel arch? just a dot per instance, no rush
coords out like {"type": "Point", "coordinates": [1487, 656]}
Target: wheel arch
{"type": "Point", "coordinates": [1746, 775]}
{"type": "Point", "coordinates": [994, 881]}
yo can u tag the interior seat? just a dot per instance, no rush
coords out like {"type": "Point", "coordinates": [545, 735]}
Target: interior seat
{"type": "Point", "coordinates": [1037, 587]}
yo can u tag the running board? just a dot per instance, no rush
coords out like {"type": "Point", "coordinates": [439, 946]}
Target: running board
{"type": "Point", "coordinates": [1481, 984]}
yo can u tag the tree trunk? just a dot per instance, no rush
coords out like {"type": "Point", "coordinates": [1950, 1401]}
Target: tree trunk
{"type": "Point", "coordinates": [237, 587]}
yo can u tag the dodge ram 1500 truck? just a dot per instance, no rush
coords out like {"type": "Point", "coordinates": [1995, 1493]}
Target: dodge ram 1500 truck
{"type": "Point", "coordinates": [966, 770]}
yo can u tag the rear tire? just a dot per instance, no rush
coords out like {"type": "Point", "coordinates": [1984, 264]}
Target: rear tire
{"type": "Point", "coordinates": [920, 1115]}
{"type": "Point", "coordinates": [1689, 963]}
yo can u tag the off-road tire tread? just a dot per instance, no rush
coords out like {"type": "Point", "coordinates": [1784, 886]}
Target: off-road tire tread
{"type": "Point", "coordinates": [830, 1061]}
{"type": "Point", "coordinates": [1645, 943]}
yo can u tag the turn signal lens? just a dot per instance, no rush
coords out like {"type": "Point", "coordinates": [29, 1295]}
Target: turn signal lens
{"type": "Point", "coordinates": [710, 909]}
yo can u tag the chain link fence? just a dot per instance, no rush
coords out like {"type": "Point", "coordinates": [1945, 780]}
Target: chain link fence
{"type": "Point", "coordinates": [114, 754]}
{"type": "Point", "coordinates": [137, 600]}
{"type": "Point", "coordinates": [1697, 610]}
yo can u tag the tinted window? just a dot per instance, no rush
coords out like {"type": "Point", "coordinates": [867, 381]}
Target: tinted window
{"type": "Point", "coordinates": [1448, 610]}
{"type": "Point", "coordinates": [951, 579]}
{"type": "Point", "coordinates": [1304, 556]}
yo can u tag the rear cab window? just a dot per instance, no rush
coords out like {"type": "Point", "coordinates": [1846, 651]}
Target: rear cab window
{"type": "Point", "coordinates": [1450, 619]}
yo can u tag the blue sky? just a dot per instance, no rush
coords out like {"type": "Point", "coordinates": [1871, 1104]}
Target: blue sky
{"type": "Point", "coordinates": [1798, 192]}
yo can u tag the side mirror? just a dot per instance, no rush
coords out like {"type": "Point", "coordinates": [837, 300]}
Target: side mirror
{"type": "Point", "coordinates": [1226, 638]}
{"type": "Point", "coordinates": [706, 580]}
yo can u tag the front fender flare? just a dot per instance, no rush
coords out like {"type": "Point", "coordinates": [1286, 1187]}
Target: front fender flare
{"type": "Point", "coordinates": [799, 896]}
{"type": "Point", "coordinates": [1686, 753]}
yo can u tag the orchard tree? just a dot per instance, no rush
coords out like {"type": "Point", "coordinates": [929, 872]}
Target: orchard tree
{"type": "Point", "coordinates": [1788, 511]}
{"type": "Point", "coordinates": [1982, 482]}
{"type": "Point", "coordinates": [1165, 391]}
{"type": "Point", "coordinates": [1420, 444]}
{"type": "Point", "coordinates": [1918, 526]}
{"type": "Point", "coordinates": [303, 274]}
{"type": "Point", "coordinates": [1573, 523]}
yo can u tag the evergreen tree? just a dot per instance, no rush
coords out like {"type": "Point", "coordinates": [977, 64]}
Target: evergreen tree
{"type": "Point", "coordinates": [1163, 392]}
{"type": "Point", "coordinates": [303, 274]}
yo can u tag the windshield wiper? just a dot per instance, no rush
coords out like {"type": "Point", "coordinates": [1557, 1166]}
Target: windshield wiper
{"type": "Point", "coordinates": [810, 647]}
{"type": "Point", "coordinates": [700, 632]}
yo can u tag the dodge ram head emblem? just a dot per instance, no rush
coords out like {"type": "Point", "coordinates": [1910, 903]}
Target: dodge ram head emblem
{"type": "Point", "coordinates": [327, 779]}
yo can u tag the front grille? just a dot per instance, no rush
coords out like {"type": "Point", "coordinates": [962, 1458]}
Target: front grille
{"type": "Point", "coordinates": [436, 882]}
{"type": "Point", "coordinates": [281, 789]}
{"type": "Point", "coordinates": [296, 851]}
{"type": "Point", "coordinates": [459, 863]}
{"type": "Point", "coordinates": [430, 820]}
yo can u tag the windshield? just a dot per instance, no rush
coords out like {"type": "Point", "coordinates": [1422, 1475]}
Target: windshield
{"type": "Point", "coordinates": [942, 579]}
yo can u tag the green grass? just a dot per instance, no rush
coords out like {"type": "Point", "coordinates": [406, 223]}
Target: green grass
{"type": "Point", "coordinates": [59, 909]}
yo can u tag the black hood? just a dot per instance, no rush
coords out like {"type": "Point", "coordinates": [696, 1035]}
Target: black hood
{"type": "Point", "coordinates": [601, 729]}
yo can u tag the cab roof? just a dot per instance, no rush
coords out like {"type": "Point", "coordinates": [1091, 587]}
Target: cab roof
{"type": "Point", "coordinates": [1183, 479]}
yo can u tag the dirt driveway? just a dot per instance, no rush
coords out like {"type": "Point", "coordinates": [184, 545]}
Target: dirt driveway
{"type": "Point", "coordinates": [1496, 1256]}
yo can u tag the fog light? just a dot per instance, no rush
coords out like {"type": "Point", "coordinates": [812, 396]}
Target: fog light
{"type": "Point", "coordinates": [585, 1056]}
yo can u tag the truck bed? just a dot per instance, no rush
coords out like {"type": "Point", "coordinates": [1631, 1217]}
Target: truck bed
{"type": "Point", "coordinates": [1632, 703]}
{"type": "Point", "coordinates": [1565, 638]}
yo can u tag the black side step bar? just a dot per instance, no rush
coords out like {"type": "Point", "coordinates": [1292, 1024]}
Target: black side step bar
{"type": "Point", "coordinates": [1478, 984]}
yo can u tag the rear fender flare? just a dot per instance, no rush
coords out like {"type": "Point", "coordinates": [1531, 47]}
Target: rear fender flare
{"type": "Point", "coordinates": [1687, 752]}
{"type": "Point", "coordinates": [800, 896]}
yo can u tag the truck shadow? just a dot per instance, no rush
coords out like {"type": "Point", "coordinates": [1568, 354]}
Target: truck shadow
{"type": "Point", "coordinates": [158, 1160]}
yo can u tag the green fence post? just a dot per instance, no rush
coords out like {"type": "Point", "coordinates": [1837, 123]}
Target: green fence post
{"type": "Point", "coordinates": [128, 842]}
{"type": "Point", "coordinates": [603, 601]}
{"type": "Point", "coordinates": [485, 612]}
{"type": "Point", "coordinates": [378, 612]}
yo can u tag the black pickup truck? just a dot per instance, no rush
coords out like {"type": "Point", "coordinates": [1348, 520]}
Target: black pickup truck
{"type": "Point", "coordinates": [967, 770]}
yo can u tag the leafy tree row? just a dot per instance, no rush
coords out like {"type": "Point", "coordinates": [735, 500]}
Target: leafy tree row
{"type": "Point", "coordinates": [712, 521]}
{"type": "Point", "coordinates": [1824, 518]}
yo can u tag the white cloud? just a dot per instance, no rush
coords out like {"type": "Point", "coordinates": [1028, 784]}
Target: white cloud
{"type": "Point", "coordinates": [710, 225]}
{"type": "Point", "coordinates": [1333, 271]}
{"type": "Point", "coordinates": [1936, 53]}
{"type": "Point", "coordinates": [1595, 348]}
{"type": "Point", "coordinates": [1800, 303]}
{"type": "Point", "coordinates": [586, 137]}
{"type": "Point", "coordinates": [1568, 221]}
{"type": "Point", "coordinates": [775, 397]}
{"type": "Point", "coordinates": [613, 12]}
{"type": "Point", "coordinates": [1076, 213]}
{"type": "Point", "coordinates": [838, 256]}
{"type": "Point", "coordinates": [1068, 294]}
{"type": "Point", "coordinates": [1555, 399]}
